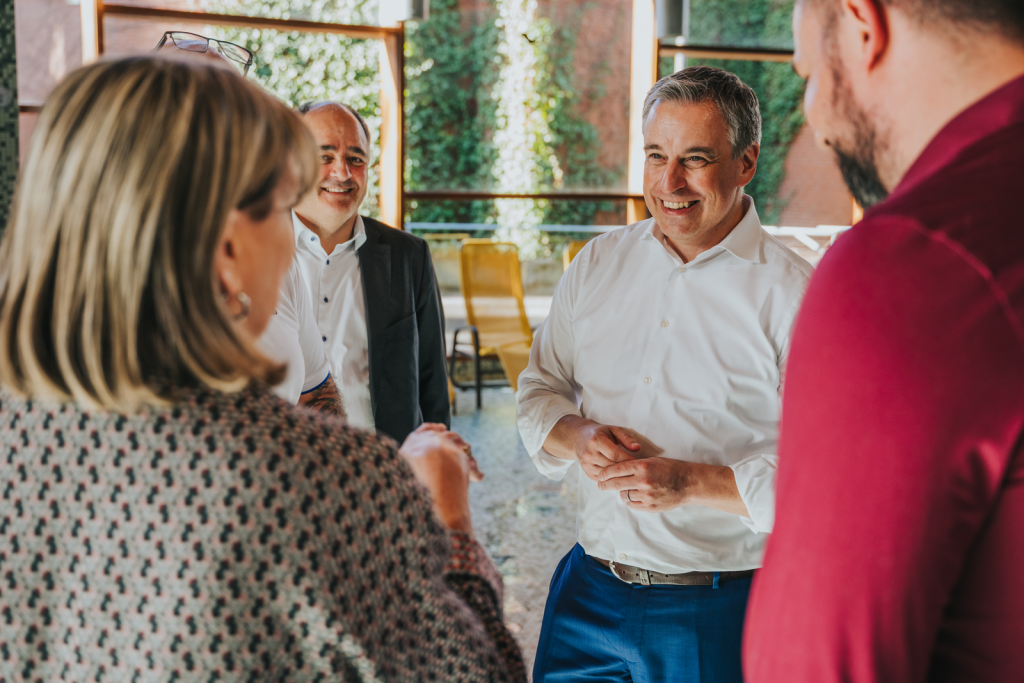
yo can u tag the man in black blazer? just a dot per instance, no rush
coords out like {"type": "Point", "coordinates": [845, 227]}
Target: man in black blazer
{"type": "Point", "coordinates": [373, 289]}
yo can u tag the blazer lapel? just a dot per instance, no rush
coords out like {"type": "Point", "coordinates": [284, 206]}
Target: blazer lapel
{"type": "Point", "coordinates": [375, 271]}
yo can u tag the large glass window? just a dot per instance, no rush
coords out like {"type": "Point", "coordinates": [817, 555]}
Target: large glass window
{"type": "Point", "coordinates": [740, 23]}
{"type": "Point", "coordinates": [297, 66]}
{"type": "Point", "coordinates": [798, 183]}
{"type": "Point", "coordinates": [516, 97]}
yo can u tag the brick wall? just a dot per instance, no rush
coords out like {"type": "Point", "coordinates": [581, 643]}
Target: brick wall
{"type": "Point", "coordinates": [818, 195]}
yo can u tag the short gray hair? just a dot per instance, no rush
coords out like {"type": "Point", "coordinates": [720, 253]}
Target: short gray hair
{"type": "Point", "coordinates": [307, 107]}
{"type": "Point", "coordinates": [734, 98]}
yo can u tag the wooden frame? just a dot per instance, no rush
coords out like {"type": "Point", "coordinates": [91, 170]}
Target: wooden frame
{"type": "Point", "coordinates": [644, 53]}
{"type": "Point", "coordinates": [472, 195]}
{"type": "Point", "coordinates": [392, 80]}
{"type": "Point", "coordinates": [242, 21]}
{"type": "Point", "coordinates": [716, 52]}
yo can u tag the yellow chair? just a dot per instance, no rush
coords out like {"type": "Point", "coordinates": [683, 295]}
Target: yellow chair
{"type": "Point", "coordinates": [514, 358]}
{"type": "Point", "coordinates": [492, 287]}
{"type": "Point", "coordinates": [572, 248]}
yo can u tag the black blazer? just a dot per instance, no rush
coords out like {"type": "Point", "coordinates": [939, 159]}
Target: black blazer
{"type": "Point", "coordinates": [405, 331]}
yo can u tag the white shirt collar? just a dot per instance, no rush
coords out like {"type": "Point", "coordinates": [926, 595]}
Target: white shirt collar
{"type": "Point", "coordinates": [305, 238]}
{"type": "Point", "coordinates": [743, 241]}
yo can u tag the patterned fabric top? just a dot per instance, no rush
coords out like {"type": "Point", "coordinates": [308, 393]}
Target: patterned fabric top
{"type": "Point", "coordinates": [231, 538]}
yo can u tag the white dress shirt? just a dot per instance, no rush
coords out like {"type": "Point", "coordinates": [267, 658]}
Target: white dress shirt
{"type": "Point", "coordinates": [689, 358]}
{"type": "Point", "coordinates": [292, 337]}
{"type": "Point", "coordinates": [336, 292]}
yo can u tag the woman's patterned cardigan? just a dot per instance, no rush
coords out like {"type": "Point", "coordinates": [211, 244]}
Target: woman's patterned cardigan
{"type": "Point", "coordinates": [231, 537]}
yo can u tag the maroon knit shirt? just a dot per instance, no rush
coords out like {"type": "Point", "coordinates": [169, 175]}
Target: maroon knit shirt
{"type": "Point", "coordinates": [898, 551]}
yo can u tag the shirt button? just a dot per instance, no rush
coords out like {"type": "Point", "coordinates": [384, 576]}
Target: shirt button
{"type": "Point", "coordinates": [328, 261]}
{"type": "Point", "coordinates": [682, 270]}
{"type": "Point", "coordinates": [647, 380]}
{"type": "Point", "coordinates": [622, 557]}
{"type": "Point", "coordinates": [664, 323]}
{"type": "Point", "coordinates": [325, 338]}
{"type": "Point", "coordinates": [312, 239]}
{"type": "Point", "coordinates": [325, 299]}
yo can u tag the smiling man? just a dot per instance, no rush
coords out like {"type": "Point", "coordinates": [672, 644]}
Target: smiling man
{"type": "Point", "coordinates": [898, 553]}
{"type": "Point", "coordinates": [372, 288]}
{"type": "Point", "coordinates": [658, 370]}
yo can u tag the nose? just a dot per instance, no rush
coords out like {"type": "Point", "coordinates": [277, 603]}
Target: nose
{"type": "Point", "coordinates": [340, 170]}
{"type": "Point", "coordinates": [674, 178]}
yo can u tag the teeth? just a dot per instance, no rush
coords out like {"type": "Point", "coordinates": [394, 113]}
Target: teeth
{"type": "Point", "coordinates": [336, 190]}
{"type": "Point", "coordinates": [679, 205]}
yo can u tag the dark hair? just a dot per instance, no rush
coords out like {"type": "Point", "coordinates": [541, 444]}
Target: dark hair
{"type": "Point", "coordinates": [1005, 17]}
{"type": "Point", "coordinates": [734, 98]}
{"type": "Point", "coordinates": [312, 106]}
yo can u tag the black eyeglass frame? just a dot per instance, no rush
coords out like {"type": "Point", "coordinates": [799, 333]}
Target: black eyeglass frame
{"type": "Point", "coordinates": [199, 38]}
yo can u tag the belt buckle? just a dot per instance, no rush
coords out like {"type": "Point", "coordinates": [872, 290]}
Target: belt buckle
{"type": "Point", "coordinates": [642, 576]}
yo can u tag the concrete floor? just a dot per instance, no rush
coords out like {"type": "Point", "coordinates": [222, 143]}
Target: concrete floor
{"type": "Point", "coordinates": [526, 521]}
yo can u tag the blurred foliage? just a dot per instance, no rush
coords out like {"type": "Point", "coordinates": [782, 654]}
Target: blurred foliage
{"type": "Point", "coordinates": [742, 23]}
{"type": "Point", "coordinates": [314, 67]}
{"type": "Point", "coordinates": [454, 63]}
{"type": "Point", "coordinates": [756, 23]}
{"type": "Point", "coordinates": [454, 98]}
{"type": "Point", "coordinates": [780, 92]}
{"type": "Point", "coordinates": [450, 70]}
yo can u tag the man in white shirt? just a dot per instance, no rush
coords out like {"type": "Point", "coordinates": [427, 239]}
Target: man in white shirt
{"type": "Point", "coordinates": [659, 370]}
{"type": "Point", "coordinates": [372, 289]}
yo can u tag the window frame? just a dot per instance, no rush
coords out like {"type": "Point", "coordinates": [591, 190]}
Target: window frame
{"type": "Point", "coordinates": [645, 51]}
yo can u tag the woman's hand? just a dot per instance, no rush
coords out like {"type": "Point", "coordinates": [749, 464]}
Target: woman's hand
{"type": "Point", "coordinates": [442, 461]}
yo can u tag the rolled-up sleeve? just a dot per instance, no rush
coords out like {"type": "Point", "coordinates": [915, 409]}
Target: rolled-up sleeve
{"type": "Point", "coordinates": [547, 391]}
{"type": "Point", "coordinates": [755, 479]}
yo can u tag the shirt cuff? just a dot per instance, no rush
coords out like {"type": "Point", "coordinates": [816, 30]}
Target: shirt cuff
{"type": "Point", "coordinates": [537, 417]}
{"type": "Point", "coordinates": [550, 466]}
{"type": "Point", "coordinates": [467, 557]}
{"type": "Point", "coordinates": [755, 479]}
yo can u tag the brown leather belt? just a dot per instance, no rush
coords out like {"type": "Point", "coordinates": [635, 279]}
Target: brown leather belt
{"type": "Point", "coordinates": [645, 577]}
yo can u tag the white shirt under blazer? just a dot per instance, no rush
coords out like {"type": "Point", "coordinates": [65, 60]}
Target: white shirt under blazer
{"type": "Point", "coordinates": [335, 290]}
{"type": "Point", "coordinates": [690, 358]}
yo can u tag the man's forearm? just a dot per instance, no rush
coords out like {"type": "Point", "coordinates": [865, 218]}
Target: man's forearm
{"type": "Point", "coordinates": [326, 398]}
{"type": "Point", "coordinates": [561, 440]}
{"type": "Point", "coordinates": [714, 486]}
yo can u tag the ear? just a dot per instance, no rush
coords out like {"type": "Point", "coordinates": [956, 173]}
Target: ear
{"type": "Point", "coordinates": [869, 21]}
{"type": "Point", "coordinates": [226, 262]}
{"type": "Point", "coordinates": [748, 164]}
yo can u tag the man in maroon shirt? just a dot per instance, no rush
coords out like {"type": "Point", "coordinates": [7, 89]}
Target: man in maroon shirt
{"type": "Point", "coordinates": [898, 548]}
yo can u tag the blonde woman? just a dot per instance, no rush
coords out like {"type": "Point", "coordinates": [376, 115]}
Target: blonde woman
{"type": "Point", "coordinates": [165, 516]}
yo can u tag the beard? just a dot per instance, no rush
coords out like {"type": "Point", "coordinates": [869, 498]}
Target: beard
{"type": "Point", "coordinates": [857, 159]}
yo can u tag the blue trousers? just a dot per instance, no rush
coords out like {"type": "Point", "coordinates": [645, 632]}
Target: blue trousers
{"type": "Point", "coordinates": [598, 628]}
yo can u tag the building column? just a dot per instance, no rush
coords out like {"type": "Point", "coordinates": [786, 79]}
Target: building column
{"type": "Point", "coordinates": [643, 74]}
{"type": "Point", "coordinates": [8, 110]}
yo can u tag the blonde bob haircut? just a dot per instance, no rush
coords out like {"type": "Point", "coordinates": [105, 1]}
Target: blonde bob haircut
{"type": "Point", "coordinates": [108, 293]}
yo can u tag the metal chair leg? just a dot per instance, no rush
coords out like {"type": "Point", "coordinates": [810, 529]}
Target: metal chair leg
{"type": "Point", "coordinates": [451, 368]}
{"type": "Point", "coordinates": [476, 368]}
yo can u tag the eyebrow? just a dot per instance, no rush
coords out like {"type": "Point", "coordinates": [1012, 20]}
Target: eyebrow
{"type": "Point", "coordinates": [352, 148]}
{"type": "Point", "coordinates": [699, 150]}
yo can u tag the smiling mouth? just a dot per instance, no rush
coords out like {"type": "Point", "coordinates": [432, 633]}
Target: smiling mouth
{"type": "Point", "coordinates": [679, 205]}
{"type": "Point", "coordinates": [337, 190]}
